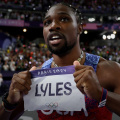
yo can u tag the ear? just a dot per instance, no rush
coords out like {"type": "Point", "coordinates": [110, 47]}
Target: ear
{"type": "Point", "coordinates": [80, 28]}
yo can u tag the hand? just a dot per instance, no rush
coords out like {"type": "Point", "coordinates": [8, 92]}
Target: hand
{"type": "Point", "coordinates": [20, 85]}
{"type": "Point", "coordinates": [87, 81]}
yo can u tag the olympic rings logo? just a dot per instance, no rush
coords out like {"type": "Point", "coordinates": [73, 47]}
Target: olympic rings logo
{"type": "Point", "coordinates": [52, 105]}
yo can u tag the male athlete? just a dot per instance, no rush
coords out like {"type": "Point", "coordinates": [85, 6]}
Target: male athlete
{"type": "Point", "coordinates": [97, 78]}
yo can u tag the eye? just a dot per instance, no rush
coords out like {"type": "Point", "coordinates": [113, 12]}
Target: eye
{"type": "Point", "coordinates": [64, 19]}
{"type": "Point", "coordinates": [47, 22]}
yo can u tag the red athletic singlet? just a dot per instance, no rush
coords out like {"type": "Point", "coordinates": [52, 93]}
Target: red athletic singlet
{"type": "Point", "coordinates": [94, 113]}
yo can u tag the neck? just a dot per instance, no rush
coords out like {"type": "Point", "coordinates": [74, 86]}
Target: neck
{"type": "Point", "coordinates": [69, 58]}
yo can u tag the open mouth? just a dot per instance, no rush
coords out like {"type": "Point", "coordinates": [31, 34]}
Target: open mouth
{"type": "Point", "coordinates": [55, 38]}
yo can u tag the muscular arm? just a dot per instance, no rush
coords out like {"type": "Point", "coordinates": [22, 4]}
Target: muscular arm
{"type": "Point", "coordinates": [20, 86]}
{"type": "Point", "coordinates": [107, 76]}
{"type": "Point", "coordinates": [108, 73]}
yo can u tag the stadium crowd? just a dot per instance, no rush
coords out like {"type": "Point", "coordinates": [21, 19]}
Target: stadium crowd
{"type": "Point", "coordinates": [33, 10]}
{"type": "Point", "coordinates": [24, 56]}
{"type": "Point", "coordinates": [104, 5]}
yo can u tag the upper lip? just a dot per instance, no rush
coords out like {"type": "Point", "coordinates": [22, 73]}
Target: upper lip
{"type": "Point", "coordinates": [61, 36]}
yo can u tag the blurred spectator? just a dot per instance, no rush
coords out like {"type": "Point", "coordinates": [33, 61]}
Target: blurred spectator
{"type": "Point", "coordinates": [12, 65]}
{"type": "Point", "coordinates": [5, 56]}
{"type": "Point", "coordinates": [1, 64]}
{"type": "Point", "coordinates": [1, 79]}
{"type": "Point", "coordinates": [6, 66]}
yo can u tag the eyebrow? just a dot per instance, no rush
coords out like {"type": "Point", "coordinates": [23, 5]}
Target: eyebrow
{"type": "Point", "coordinates": [60, 13]}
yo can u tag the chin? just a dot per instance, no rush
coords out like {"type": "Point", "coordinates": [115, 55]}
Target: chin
{"type": "Point", "coordinates": [61, 50]}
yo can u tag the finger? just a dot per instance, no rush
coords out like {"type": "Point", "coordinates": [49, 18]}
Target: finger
{"type": "Point", "coordinates": [16, 79]}
{"type": "Point", "coordinates": [80, 85]}
{"type": "Point", "coordinates": [78, 77]}
{"type": "Point", "coordinates": [20, 88]}
{"type": "Point", "coordinates": [81, 89]}
{"type": "Point", "coordinates": [24, 83]}
{"type": "Point", "coordinates": [82, 68]}
{"type": "Point", "coordinates": [26, 76]}
{"type": "Point", "coordinates": [76, 63]}
{"type": "Point", "coordinates": [33, 68]}
{"type": "Point", "coordinates": [17, 88]}
{"type": "Point", "coordinates": [76, 73]}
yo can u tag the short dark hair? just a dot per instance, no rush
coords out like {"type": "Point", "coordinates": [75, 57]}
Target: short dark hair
{"type": "Point", "coordinates": [76, 11]}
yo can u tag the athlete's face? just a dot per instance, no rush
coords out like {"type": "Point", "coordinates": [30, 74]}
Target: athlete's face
{"type": "Point", "coordinates": [60, 29]}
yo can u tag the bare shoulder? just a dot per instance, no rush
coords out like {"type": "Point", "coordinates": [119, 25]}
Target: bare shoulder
{"type": "Point", "coordinates": [108, 65]}
{"type": "Point", "coordinates": [108, 73]}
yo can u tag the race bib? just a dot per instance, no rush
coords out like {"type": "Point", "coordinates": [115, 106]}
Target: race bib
{"type": "Point", "coordinates": [54, 89]}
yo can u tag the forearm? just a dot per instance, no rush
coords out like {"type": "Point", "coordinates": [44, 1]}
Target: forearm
{"type": "Point", "coordinates": [113, 102]}
{"type": "Point", "coordinates": [4, 115]}
{"type": "Point", "coordinates": [14, 115]}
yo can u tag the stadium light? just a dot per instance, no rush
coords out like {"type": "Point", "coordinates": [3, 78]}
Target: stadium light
{"type": "Point", "coordinates": [108, 37]}
{"type": "Point", "coordinates": [114, 32]}
{"type": "Point", "coordinates": [24, 30]}
{"type": "Point", "coordinates": [113, 36]}
{"type": "Point", "coordinates": [85, 32]}
{"type": "Point", "coordinates": [104, 37]}
{"type": "Point", "coordinates": [91, 19]}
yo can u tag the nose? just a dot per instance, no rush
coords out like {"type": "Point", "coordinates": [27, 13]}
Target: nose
{"type": "Point", "coordinates": [54, 26]}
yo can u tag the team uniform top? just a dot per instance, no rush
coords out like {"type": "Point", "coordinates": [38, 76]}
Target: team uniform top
{"type": "Point", "coordinates": [94, 113]}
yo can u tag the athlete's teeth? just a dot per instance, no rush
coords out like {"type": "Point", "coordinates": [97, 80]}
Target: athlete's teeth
{"type": "Point", "coordinates": [55, 37]}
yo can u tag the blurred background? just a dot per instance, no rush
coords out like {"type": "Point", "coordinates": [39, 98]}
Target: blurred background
{"type": "Point", "coordinates": [21, 38]}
